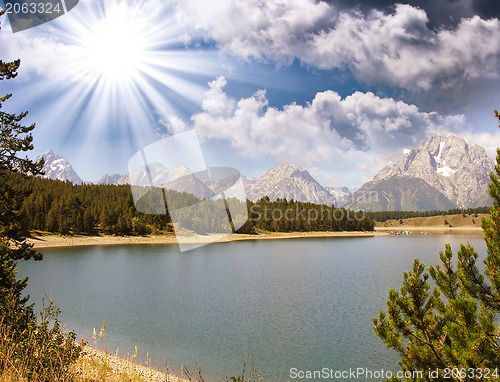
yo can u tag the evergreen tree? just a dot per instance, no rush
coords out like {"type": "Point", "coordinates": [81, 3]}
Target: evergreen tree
{"type": "Point", "coordinates": [451, 328]}
{"type": "Point", "coordinates": [14, 139]}
{"type": "Point", "coordinates": [42, 349]}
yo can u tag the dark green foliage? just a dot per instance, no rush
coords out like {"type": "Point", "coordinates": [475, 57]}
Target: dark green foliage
{"type": "Point", "coordinates": [66, 208]}
{"type": "Point", "coordinates": [33, 350]}
{"type": "Point", "coordinates": [9, 286]}
{"type": "Point", "coordinates": [452, 326]}
{"type": "Point", "coordinates": [290, 216]}
{"type": "Point", "coordinates": [14, 139]}
{"type": "Point", "coordinates": [62, 207]}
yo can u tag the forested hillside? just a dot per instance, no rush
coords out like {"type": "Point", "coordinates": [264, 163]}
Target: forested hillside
{"type": "Point", "coordinates": [63, 207]}
{"type": "Point", "coordinates": [66, 208]}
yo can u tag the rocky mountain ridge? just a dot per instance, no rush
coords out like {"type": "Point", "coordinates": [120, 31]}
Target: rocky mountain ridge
{"type": "Point", "coordinates": [450, 166]}
{"type": "Point", "coordinates": [57, 167]}
{"type": "Point", "coordinates": [441, 173]}
{"type": "Point", "coordinates": [287, 182]}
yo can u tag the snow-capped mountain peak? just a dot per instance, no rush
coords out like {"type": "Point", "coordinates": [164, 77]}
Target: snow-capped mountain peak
{"type": "Point", "coordinates": [179, 171]}
{"type": "Point", "coordinates": [451, 167]}
{"type": "Point", "coordinates": [57, 167]}
{"type": "Point", "coordinates": [441, 173]}
{"type": "Point", "coordinates": [287, 182]}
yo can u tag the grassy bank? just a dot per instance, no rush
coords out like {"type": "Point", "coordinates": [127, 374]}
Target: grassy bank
{"type": "Point", "coordinates": [97, 366]}
{"type": "Point", "coordinates": [459, 223]}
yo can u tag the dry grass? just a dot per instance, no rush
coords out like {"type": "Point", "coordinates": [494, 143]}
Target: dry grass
{"type": "Point", "coordinates": [96, 366]}
{"type": "Point", "coordinates": [99, 366]}
{"type": "Point", "coordinates": [436, 221]}
{"type": "Point", "coordinates": [42, 353]}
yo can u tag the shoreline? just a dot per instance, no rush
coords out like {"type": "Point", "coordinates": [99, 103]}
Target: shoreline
{"type": "Point", "coordinates": [45, 240]}
{"type": "Point", "coordinates": [40, 241]}
{"type": "Point", "coordinates": [415, 230]}
{"type": "Point", "coordinates": [93, 363]}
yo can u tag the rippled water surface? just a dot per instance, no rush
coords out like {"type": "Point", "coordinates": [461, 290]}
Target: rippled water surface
{"type": "Point", "coordinates": [303, 303]}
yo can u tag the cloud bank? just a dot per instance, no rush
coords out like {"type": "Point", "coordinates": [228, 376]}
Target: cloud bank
{"type": "Point", "coordinates": [396, 48]}
{"type": "Point", "coordinates": [327, 127]}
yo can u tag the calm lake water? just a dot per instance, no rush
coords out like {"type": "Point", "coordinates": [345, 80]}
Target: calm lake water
{"type": "Point", "coordinates": [303, 303]}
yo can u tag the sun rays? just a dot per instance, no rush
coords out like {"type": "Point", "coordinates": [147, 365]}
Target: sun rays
{"type": "Point", "coordinates": [119, 68]}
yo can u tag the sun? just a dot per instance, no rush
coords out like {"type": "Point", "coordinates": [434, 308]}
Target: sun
{"type": "Point", "coordinates": [117, 45]}
{"type": "Point", "coordinates": [119, 69]}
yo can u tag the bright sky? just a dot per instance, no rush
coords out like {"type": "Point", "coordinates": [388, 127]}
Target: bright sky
{"type": "Point", "coordinates": [340, 88]}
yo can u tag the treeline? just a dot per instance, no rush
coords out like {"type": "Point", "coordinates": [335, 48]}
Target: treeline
{"type": "Point", "coordinates": [63, 207]}
{"type": "Point", "coordinates": [383, 216]}
{"type": "Point", "coordinates": [291, 216]}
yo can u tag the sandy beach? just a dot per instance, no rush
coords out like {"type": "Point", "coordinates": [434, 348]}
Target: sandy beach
{"type": "Point", "coordinates": [45, 240]}
{"type": "Point", "coordinates": [99, 365]}
{"type": "Point", "coordinates": [51, 241]}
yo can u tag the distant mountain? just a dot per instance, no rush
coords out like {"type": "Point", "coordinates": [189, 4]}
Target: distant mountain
{"type": "Point", "coordinates": [116, 179]}
{"type": "Point", "coordinates": [179, 179]}
{"type": "Point", "coordinates": [57, 167]}
{"type": "Point", "coordinates": [182, 179]}
{"type": "Point", "coordinates": [283, 181]}
{"type": "Point", "coordinates": [441, 173]}
{"type": "Point", "coordinates": [342, 195]}
{"type": "Point", "coordinates": [288, 182]}
{"type": "Point", "coordinates": [400, 193]}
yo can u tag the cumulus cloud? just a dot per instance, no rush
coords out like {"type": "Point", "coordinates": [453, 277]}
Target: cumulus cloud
{"type": "Point", "coordinates": [255, 28]}
{"type": "Point", "coordinates": [396, 48]}
{"type": "Point", "coordinates": [36, 53]}
{"type": "Point", "coordinates": [326, 127]}
{"type": "Point", "coordinates": [443, 13]}
{"type": "Point", "coordinates": [172, 124]}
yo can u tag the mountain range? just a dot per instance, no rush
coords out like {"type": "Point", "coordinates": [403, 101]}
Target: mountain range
{"type": "Point", "coordinates": [441, 173]}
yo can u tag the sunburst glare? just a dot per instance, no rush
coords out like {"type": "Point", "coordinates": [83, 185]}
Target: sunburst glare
{"type": "Point", "coordinates": [116, 46]}
{"type": "Point", "coordinates": [120, 68]}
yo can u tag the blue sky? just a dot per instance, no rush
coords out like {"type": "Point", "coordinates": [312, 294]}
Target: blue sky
{"type": "Point", "coordinates": [340, 88]}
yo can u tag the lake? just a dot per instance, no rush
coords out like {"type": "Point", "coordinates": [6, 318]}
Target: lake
{"type": "Point", "coordinates": [306, 304]}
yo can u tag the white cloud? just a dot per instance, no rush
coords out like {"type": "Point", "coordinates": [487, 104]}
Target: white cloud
{"type": "Point", "coordinates": [399, 49]}
{"type": "Point", "coordinates": [326, 128]}
{"type": "Point", "coordinates": [36, 53]}
{"type": "Point", "coordinates": [173, 124]}
{"type": "Point", "coordinates": [217, 103]}
{"type": "Point", "coordinates": [254, 28]}
{"type": "Point", "coordinates": [396, 48]}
